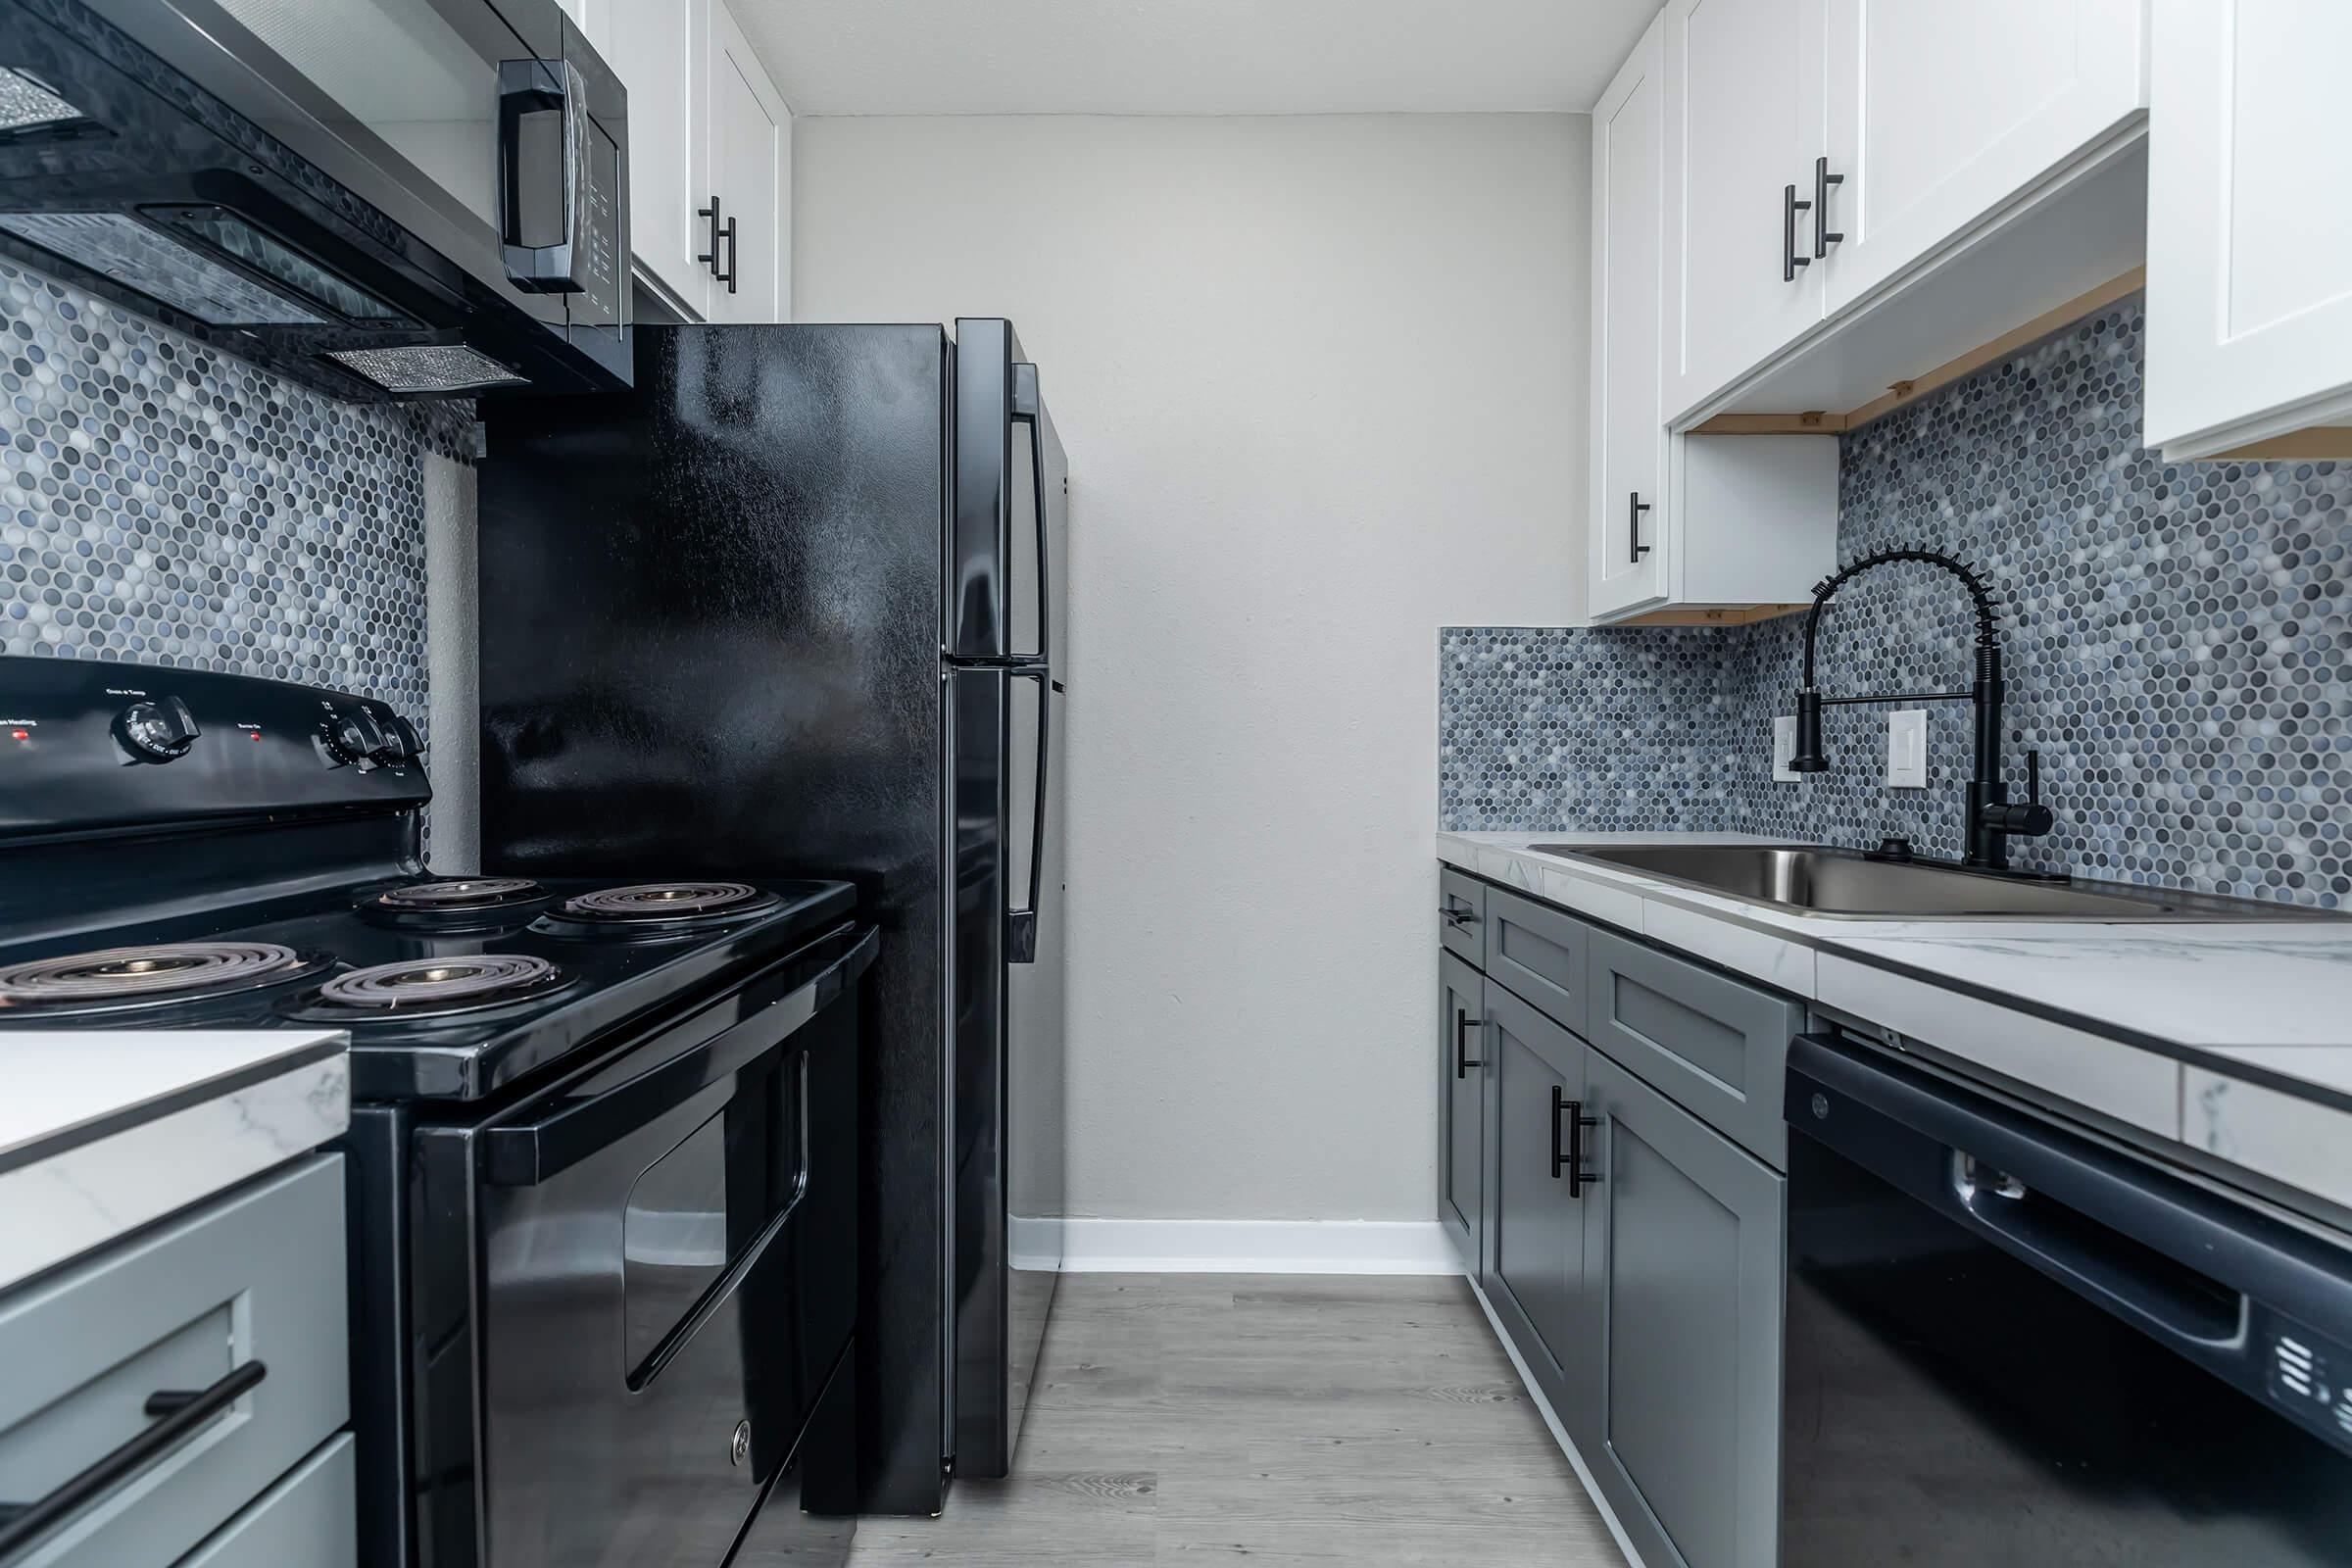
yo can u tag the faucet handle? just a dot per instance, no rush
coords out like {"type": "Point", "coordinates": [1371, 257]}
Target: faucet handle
{"type": "Point", "coordinates": [2032, 819]}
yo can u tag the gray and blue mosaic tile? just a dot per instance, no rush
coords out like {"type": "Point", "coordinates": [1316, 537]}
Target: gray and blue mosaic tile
{"type": "Point", "coordinates": [2178, 642]}
{"type": "Point", "coordinates": [162, 503]}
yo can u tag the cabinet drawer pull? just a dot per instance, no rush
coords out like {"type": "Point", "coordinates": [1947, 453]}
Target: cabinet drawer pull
{"type": "Point", "coordinates": [1635, 549]}
{"type": "Point", "coordinates": [1570, 1161]}
{"type": "Point", "coordinates": [1789, 260]}
{"type": "Point", "coordinates": [1458, 918]}
{"type": "Point", "coordinates": [181, 1414]}
{"type": "Point", "coordinates": [1462, 1025]}
{"type": "Point", "coordinates": [1823, 235]}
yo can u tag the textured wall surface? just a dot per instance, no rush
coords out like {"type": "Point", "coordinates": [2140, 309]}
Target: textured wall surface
{"type": "Point", "coordinates": [162, 504]}
{"type": "Point", "coordinates": [1322, 381]}
{"type": "Point", "coordinates": [2178, 638]}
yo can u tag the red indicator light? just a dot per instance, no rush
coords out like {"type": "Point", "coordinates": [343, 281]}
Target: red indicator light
{"type": "Point", "coordinates": [252, 734]}
{"type": "Point", "coordinates": [20, 734]}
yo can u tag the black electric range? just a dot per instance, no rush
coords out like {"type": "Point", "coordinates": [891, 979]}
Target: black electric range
{"type": "Point", "coordinates": [601, 1161]}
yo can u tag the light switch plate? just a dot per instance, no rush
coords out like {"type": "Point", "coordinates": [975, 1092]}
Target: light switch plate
{"type": "Point", "coordinates": [1907, 748]}
{"type": "Point", "coordinates": [1783, 746]}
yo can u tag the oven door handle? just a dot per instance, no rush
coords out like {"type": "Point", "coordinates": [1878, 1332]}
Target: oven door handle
{"type": "Point", "coordinates": [528, 1152]}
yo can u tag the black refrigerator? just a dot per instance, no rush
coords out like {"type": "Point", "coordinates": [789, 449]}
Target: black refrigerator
{"type": "Point", "coordinates": [791, 607]}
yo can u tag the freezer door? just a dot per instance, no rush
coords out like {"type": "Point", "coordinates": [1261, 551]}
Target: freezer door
{"type": "Point", "coordinates": [1007, 548]}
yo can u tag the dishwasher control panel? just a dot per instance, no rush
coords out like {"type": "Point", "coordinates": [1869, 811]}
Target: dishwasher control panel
{"type": "Point", "coordinates": [2307, 1374]}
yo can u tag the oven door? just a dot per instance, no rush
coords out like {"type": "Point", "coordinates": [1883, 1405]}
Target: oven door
{"type": "Point", "coordinates": [668, 1256]}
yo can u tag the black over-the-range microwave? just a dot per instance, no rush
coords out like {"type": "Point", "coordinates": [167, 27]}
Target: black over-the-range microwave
{"type": "Point", "coordinates": [375, 198]}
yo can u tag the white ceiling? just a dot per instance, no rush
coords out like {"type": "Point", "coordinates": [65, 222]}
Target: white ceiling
{"type": "Point", "coordinates": [1190, 57]}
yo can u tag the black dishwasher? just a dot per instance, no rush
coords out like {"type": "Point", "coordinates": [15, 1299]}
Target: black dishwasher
{"type": "Point", "coordinates": [2009, 1344]}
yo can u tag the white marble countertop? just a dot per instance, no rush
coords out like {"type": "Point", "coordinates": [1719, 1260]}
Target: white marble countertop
{"type": "Point", "coordinates": [2235, 1037]}
{"type": "Point", "coordinates": [103, 1130]}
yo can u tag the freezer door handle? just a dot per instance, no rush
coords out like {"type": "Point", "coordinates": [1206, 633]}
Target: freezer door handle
{"type": "Point", "coordinates": [1027, 406]}
{"type": "Point", "coordinates": [1020, 923]}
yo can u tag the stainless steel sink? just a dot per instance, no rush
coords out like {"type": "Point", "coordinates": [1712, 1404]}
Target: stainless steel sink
{"type": "Point", "coordinates": [1809, 879]}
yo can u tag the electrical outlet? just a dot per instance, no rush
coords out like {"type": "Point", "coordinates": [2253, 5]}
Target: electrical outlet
{"type": "Point", "coordinates": [1783, 746]}
{"type": "Point", "coordinates": [1907, 748]}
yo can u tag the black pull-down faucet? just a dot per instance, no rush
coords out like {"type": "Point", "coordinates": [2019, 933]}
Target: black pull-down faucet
{"type": "Point", "coordinates": [1993, 820]}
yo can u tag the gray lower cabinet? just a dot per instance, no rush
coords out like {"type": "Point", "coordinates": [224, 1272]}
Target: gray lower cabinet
{"type": "Point", "coordinates": [1461, 1093]}
{"type": "Point", "coordinates": [1682, 1245]}
{"type": "Point", "coordinates": [1534, 1275]}
{"type": "Point", "coordinates": [310, 1518]}
{"type": "Point", "coordinates": [226, 1320]}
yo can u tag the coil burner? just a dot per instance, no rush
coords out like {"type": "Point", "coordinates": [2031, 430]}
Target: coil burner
{"type": "Point", "coordinates": [659, 903]}
{"type": "Point", "coordinates": [418, 987]}
{"type": "Point", "coordinates": [460, 893]}
{"type": "Point", "coordinates": [455, 904]}
{"type": "Point", "coordinates": [167, 972]}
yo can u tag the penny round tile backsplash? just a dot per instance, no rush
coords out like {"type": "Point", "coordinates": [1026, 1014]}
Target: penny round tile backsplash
{"type": "Point", "coordinates": [2179, 640]}
{"type": "Point", "coordinates": [165, 504]}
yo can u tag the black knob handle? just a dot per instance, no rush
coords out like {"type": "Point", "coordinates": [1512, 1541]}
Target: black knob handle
{"type": "Point", "coordinates": [353, 739]}
{"type": "Point", "coordinates": [158, 731]}
{"type": "Point", "coordinates": [402, 743]}
{"type": "Point", "coordinates": [1891, 848]}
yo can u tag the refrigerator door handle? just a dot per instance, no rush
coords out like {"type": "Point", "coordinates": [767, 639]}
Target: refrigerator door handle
{"type": "Point", "coordinates": [1027, 407]}
{"type": "Point", "coordinates": [1020, 924]}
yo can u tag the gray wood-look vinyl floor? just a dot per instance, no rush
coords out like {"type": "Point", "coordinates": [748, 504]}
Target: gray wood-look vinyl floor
{"type": "Point", "coordinates": [1185, 1418]}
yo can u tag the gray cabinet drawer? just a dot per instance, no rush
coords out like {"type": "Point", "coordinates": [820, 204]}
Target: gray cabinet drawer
{"type": "Point", "coordinates": [1461, 1098]}
{"type": "Point", "coordinates": [308, 1518]}
{"type": "Point", "coordinates": [1462, 915]}
{"type": "Point", "coordinates": [1717, 1045]}
{"type": "Point", "coordinates": [1538, 952]}
{"type": "Point", "coordinates": [254, 1275]}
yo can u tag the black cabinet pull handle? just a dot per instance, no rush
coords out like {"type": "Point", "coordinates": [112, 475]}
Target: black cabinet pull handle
{"type": "Point", "coordinates": [1635, 549]}
{"type": "Point", "coordinates": [1571, 1160]}
{"type": "Point", "coordinates": [1462, 1064]}
{"type": "Point", "coordinates": [720, 234]}
{"type": "Point", "coordinates": [1823, 235]}
{"type": "Point", "coordinates": [1789, 260]}
{"type": "Point", "coordinates": [181, 1414]}
{"type": "Point", "coordinates": [1458, 918]}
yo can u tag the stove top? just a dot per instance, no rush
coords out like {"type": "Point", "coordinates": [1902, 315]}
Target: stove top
{"type": "Point", "coordinates": [451, 988]}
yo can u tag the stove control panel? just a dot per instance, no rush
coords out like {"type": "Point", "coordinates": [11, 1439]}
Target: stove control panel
{"type": "Point", "coordinates": [93, 744]}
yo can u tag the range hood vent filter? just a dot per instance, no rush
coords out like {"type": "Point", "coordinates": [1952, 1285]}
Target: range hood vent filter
{"type": "Point", "coordinates": [430, 368]}
{"type": "Point", "coordinates": [27, 104]}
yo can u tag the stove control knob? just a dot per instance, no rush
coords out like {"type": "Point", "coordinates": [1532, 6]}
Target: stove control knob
{"type": "Point", "coordinates": [352, 739]}
{"type": "Point", "coordinates": [158, 731]}
{"type": "Point", "coordinates": [402, 743]}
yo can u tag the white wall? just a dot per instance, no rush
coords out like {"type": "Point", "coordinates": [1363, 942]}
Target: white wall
{"type": "Point", "coordinates": [1322, 383]}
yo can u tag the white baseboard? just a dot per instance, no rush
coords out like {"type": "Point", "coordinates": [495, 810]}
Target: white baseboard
{"type": "Point", "coordinates": [1250, 1247]}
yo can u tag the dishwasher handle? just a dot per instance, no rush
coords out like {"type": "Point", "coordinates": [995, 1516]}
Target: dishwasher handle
{"type": "Point", "coordinates": [2180, 1262]}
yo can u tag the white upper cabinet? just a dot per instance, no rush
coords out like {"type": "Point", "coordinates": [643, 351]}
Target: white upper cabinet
{"type": "Point", "coordinates": [751, 170]}
{"type": "Point", "coordinates": [659, 48]}
{"type": "Point", "coordinates": [1745, 120]}
{"type": "Point", "coordinates": [710, 156]}
{"type": "Point", "coordinates": [1626, 564]}
{"type": "Point", "coordinates": [1941, 113]}
{"type": "Point", "coordinates": [2250, 225]}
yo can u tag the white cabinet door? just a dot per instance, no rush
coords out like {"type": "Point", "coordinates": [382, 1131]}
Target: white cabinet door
{"type": "Point", "coordinates": [2250, 225]}
{"type": "Point", "coordinates": [1628, 520]}
{"type": "Point", "coordinates": [660, 49]}
{"type": "Point", "coordinates": [750, 170]}
{"type": "Point", "coordinates": [1745, 120]}
{"type": "Point", "coordinates": [1940, 115]}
